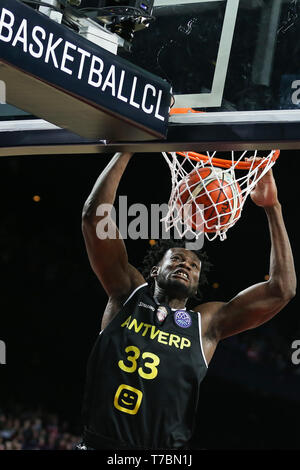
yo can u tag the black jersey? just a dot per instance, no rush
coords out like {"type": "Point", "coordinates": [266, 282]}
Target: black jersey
{"type": "Point", "coordinates": [143, 377]}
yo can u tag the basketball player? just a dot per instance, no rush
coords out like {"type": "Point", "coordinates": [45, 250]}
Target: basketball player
{"type": "Point", "coordinates": [147, 364]}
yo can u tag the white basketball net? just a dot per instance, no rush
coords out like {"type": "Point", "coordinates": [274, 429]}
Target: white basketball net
{"type": "Point", "coordinates": [187, 214]}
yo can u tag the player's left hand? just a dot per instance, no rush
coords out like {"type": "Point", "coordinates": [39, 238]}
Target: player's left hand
{"type": "Point", "coordinates": [264, 193]}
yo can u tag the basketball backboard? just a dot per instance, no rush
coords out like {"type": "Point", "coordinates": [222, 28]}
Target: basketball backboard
{"type": "Point", "coordinates": [236, 61]}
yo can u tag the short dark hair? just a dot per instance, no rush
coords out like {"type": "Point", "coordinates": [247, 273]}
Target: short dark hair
{"type": "Point", "coordinates": [155, 254]}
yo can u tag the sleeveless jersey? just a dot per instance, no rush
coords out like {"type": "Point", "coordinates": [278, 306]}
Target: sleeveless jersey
{"type": "Point", "coordinates": [143, 377]}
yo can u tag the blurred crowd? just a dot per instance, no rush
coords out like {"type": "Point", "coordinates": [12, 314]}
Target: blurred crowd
{"type": "Point", "coordinates": [34, 430]}
{"type": "Point", "coordinates": [269, 347]}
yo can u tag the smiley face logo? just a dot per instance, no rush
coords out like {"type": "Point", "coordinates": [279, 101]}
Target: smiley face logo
{"type": "Point", "coordinates": [128, 399]}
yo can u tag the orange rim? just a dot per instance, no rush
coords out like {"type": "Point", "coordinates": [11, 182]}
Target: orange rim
{"type": "Point", "coordinates": [219, 162]}
{"type": "Point", "coordinates": [183, 111]}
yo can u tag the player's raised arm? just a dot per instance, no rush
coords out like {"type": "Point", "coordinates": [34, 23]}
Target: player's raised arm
{"type": "Point", "coordinates": [105, 246]}
{"type": "Point", "coordinates": [260, 302]}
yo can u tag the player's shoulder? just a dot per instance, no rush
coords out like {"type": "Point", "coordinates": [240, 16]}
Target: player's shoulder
{"type": "Point", "coordinates": [209, 313]}
{"type": "Point", "coordinates": [137, 293]}
{"type": "Point", "coordinates": [209, 307]}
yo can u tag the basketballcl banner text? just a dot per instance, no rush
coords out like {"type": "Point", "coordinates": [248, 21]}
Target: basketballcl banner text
{"type": "Point", "coordinates": [53, 53]}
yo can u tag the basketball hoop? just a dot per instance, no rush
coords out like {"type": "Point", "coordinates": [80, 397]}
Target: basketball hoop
{"type": "Point", "coordinates": [209, 191]}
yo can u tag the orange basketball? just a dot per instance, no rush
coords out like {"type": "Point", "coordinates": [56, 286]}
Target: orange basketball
{"type": "Point", "coordinates": [217, 191]}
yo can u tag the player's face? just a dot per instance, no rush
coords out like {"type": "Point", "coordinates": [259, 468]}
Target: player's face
{"type": "Point", "coordinates": [179, 270]}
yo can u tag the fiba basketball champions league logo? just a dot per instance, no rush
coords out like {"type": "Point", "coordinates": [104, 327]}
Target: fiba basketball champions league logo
{"type": "Point", "coordinates": [182, 318]}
